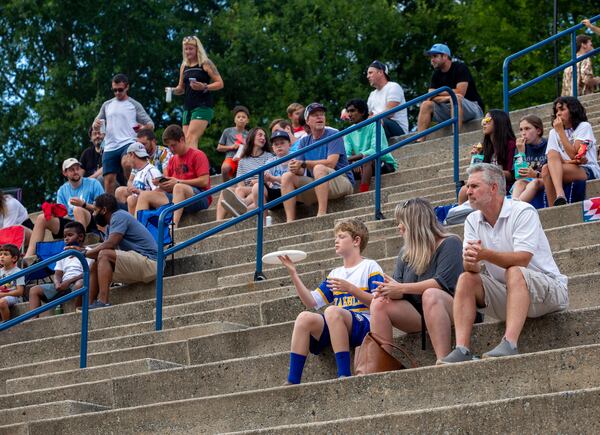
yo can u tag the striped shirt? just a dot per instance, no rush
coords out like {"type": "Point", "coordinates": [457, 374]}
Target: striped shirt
{"type": "Point", "coordinates": [250, 163]}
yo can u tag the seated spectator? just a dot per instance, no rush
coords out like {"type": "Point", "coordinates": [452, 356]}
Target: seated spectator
{"type": "Point", "coordinates": [127, 255]}
{"type": "Point", "coordinates": [11, 293]}
{"type": "Point", "coordinates": [349, 291]}
{"type": "Point", "coordinates": [187, 175]}
{"type": "Point", "coordinates": [257, 153]}
{"type": "Point", "coordinates": [424, 279]}
{"type": "Point", "coordinates": [571, 149]}
{"type": "Point", "coordinates": [520, 278]}
{"type": "Point", "coordinates": [316, 164]}
{"type": "Point", "coordinates": [77, 195]}
{"type": "Point", "coordinates": [457, 77]}
{"type": "Point", "coordinates": [231, 140]}
{"type": "Point", "coordinates": [91, 158]}
{"type": "Point", "coordinates": [159, 155]}
{"type": "Point", "coordinates": [13, 213]}
{"type": "Point", "coordinates": [142, 175]}
{"type": "Point", "coordinates": [499, 146]}
{"type": "Point", "coordinates": [586, 82]}
{"type": "Point", "coordinates": [280, 142]}
{"type": "Point", "coordinates": [361, 143]}
{"type": "Point", "coordinates": [294, 113]}
{"type": "Point", "coordinates": [68, 272]}
{"type": "Point", "coordinates": [282, 124]}
{"type": "Point", "coordinates": [386, 96]}
{"type": "Point", "coordinates": [533, 145]}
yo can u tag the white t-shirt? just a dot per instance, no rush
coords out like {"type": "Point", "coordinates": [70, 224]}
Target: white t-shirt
{"type": "Point", "coordinates": [121, 116]}
{"type": "Point", "coordinates": [363, 276]}
{"type": "Point", "coordinates": [71, 266]}
{"type": "Point", "coordinates": [143, 177]}
{"type": "Point", "coordinates": [15, 212]}
{"type": "Point", "coordinates": [518, 228]}
{"type": "Point", "coordinates": [379, 98]}
{"type": "Point", "coordinates": [584, 133]}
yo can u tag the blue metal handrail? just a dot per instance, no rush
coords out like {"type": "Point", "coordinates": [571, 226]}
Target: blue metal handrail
{"type": "Point", "coordinates": [259, 211]}
{"type": "Point", "coordinates": [507, 93]}
{"type": "Point", "coordinates": [83, 291]}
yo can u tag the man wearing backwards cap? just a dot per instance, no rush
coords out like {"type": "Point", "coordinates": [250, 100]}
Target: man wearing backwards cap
{"type": "Point", "coordinates": [386, 96]}
{"type": "Point", "coordinates": [315, 164]}
{"type": "Point", "coordinates": [141, 177]}
{"type": "Point", "coordinates": [456, 76]}
{"type": "Point", "coordinates": [77, 195]}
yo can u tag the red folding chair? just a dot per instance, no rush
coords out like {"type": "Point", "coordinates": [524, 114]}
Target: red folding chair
{"type": "Point", "coordinates": [14, 235]}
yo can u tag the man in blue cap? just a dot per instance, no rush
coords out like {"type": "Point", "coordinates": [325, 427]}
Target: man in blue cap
{"type": "Point", "coordinates": [456, 76]}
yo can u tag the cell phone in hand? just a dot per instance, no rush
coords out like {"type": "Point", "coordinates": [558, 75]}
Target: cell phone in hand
{"type": "Point", "coordinates": [163, 179]}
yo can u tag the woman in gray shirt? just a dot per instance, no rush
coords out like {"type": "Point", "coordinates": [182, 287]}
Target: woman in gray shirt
{"type": "Point", "coordinates": [424, 280]}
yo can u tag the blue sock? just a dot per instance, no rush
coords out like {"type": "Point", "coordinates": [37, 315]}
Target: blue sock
{"type": "Point", "coordinates": [342, 360]}
{"type": "Point", "coordinates": [296, 367]}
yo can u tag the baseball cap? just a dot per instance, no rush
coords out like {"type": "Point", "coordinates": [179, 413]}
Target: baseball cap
{"type": "Point", "coordinates": [438, 49]}
{"type": "Point", "coordinates": [70, 162]}
{"type": "Point", "coordinates": [280, 133]}
{"type": "Point", "coordinates": [380, 66]}
{"type": "Point", "coordinates": [311, 108]}
{"type": "Point", "coordinates": [138, 149]}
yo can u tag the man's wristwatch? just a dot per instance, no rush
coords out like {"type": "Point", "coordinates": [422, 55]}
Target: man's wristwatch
{"type": "Point", "coordinates": [303, 165]}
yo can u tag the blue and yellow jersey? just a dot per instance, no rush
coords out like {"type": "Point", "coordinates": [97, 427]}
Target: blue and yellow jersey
{"type": "Point", "coordinates": [362, 276]}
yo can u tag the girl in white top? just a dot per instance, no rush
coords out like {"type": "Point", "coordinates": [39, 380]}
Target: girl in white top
{"type": "Point", "coordinates": [571, 149]}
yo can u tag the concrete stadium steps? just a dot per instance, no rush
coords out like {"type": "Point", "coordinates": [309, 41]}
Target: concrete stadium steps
{"type": "Point", "coordinates": [419, 390]}
{"type": "Point", "coordinates": [219, 363]}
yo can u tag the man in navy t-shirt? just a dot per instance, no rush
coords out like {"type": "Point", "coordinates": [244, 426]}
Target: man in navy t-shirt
{"type": "Point", "coordinates": [128, 254]}
{"type": "Point", "coordinates": [457, 77]}
{"type": "Point", "coordinates": [315, 164]}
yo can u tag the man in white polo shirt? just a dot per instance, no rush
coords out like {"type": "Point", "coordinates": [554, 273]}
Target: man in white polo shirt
{"type": "Point", "coordinates": [386, 96]}
{"type": "Point", "coordinates": [520, 278]}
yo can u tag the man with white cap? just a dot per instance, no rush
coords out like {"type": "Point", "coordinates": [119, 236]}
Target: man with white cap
{"type": "Point", "coordinates": [386, 96]}
{"type": "Point", "coordinates": [142, 174]}
{"type": "Point", "coordinates": [457, 77]}
{"type": "Point", "coordinates": [77, 195]}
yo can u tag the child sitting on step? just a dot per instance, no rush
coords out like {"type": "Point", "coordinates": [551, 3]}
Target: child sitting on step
{"type": "Point", "coordinates": [533, 146]}
{"type": "Point", "coordinates": [348, 289]}
{"type": "Point", "coordinates": [68, 272]}
{"type": "Point", "coordinates": [11, 293]}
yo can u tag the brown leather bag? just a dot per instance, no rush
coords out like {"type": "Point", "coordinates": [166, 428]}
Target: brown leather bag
{"type": "Point", "coordinates": [371, 357]}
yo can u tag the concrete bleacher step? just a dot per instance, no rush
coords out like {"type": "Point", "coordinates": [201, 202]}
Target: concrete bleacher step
{"type": "Point", "coordinates": [78, 376]}
{"type": "Point", "coordinates": [564, 369]}
{"type": "Point", "coordinates": [561, 412]}
{"type": "Point", "coordinates": [47, 410]}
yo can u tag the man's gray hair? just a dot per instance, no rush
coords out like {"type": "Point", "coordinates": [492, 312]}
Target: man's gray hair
{"type": "Point", "coordinates": [492, 174]}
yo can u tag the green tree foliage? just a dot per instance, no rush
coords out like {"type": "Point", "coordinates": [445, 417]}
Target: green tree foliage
{"type": "Point", "coordinates": [57, 58]}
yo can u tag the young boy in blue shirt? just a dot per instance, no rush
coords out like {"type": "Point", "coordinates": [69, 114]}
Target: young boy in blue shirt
{"type": "Point", "coordinates": [349, 291]}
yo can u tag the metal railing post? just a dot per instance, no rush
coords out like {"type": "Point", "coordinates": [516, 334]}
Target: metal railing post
{"type": "Point", "coordinates": [378, 214]}
{"type": "Point", "coordinates": [259, 228]}
{"type": "Point", "coordinates": [505, 89]}
{"type": "Point", "coordinates": [455, 122]}
{"type": "Point", "coordinates": [573, 57]}
{"type": "Point", "coordinates": [160, 268]}
{"type": "Point", "coordinates": [85, 304]}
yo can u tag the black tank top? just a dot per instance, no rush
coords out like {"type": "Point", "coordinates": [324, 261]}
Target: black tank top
{"type": "Point", "coordinates": [193, 99]}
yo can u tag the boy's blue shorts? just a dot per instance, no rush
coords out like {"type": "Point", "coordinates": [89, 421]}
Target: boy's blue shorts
{"type": "Point", "coordinates": [360, 328]}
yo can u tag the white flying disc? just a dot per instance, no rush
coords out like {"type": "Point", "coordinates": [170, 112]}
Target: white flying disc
{"type": "Point", "coordinates": [294, 255]}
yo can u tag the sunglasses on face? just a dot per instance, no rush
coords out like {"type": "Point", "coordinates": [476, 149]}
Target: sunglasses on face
{"type": "Point", "coordinates": [486, 120]}
{"type": "Point", "coordinates": [118, 90]}
{"type": "Point", "coordinates": [189, 39]}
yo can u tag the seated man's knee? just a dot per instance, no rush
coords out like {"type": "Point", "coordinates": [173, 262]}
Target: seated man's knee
{"type": "Point", "coordinates": [466, 282]}
{"type": "Point", "coordinates": [513, 274]}
{"type": "Point", "coordinates": [320, 170]}
{"type": "Point", "coordinates": [3, 303]}
{"type": "Point", "coordinates": [106, 255]}
{"type": "Point", "coordinates": [35, 290]}
{"type": "Point", "coordinates": [182, 188]}
{"type": "Point", "coordinates": [287, 180]}
{"type": "Point", "coordinates": [426, 106]}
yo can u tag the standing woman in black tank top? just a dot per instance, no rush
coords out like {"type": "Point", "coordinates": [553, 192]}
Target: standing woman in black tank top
{"type": "Point", "coordinates": [198, 77]}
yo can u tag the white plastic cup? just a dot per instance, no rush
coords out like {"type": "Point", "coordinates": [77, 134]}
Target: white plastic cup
{"type": "Point", "coordinates": [169, 95]}
{"type": "Point", "coordinates": [269, 221]}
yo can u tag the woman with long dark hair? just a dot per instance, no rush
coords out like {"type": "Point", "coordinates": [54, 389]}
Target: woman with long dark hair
{"type": "Point", "coordinates": [571, 149]}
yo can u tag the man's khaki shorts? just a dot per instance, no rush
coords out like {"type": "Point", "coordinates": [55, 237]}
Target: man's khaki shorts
{"type": "Point", "coordinates": [339, 187]}
{"type": "Point", "coordinates": [547, 294]}
{"type": "Point", "coordinates": [132, 267]}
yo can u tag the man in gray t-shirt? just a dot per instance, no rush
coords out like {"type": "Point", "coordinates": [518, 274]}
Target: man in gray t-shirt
{"type": "Point", "coordinates": [128, 254]}
{"type": "Point", "coordinates": [121, 116]}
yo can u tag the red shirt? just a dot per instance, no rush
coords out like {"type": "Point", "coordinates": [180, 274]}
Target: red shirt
{"type": "Point", "coordinates": [192, 164]}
